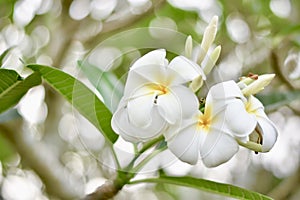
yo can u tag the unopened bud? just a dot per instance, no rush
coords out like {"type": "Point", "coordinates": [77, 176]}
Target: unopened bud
{"type": "Point", "coordinates": [196, 84]}
{"type": "Point", "coordinates": [258, 85]}
{"type": "Point", "coordinates": [189, 47]}
{"type": "Point", "coordinates": [211, 62]}
{"type": "Point", "coordinates": [208, 38]}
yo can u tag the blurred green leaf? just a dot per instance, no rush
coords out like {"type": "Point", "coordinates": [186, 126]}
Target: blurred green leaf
{"type": "Point", "coordinates": [8, 115]}
{"type": "Point", "coordinates": [107, 84]}
{"type": "Point", "coordinates": [2, 56]}
{"type": "Point", "coordinates": [13, 87]}
{"type": "Point", "coordinates": [207, 185]}
{"type": "Point", "coordinates": [6, 148]}
{"type": "Point", "coordinates": [82, 98]}
{"type": "Point", "coordinates": [276, 100]}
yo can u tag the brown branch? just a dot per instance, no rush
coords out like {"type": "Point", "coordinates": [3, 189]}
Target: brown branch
{"type": "Point", "coordinates": [286, 187]}
{"type": "Point", "coordinates": [277, 69]}
{"type": "Point", "coordinates": [40, 158]}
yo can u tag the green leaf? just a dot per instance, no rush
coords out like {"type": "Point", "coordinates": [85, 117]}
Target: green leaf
{"type": "Point", "coordinates": [2, 56]}
{"type": "Point", "coordinates": [6, 148]}
{"type": "Point", "coordinates": [273, 101]}
{"type": "Point", "coordinates": [107, 84]}
{"type": "Point", "coordinates": [82, 98]}
{"type": "Point", "coordinates": [9, 115]}
{"type": "Point", "coordinates": [207, 185]}
{"type": "Point", "coordinates": [13, 87]}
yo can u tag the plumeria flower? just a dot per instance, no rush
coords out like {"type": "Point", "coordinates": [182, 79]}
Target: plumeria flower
{"type": "Point", "coordinates": [265, 132]}
{"type": "Point", "coordinates": [248, 115]}
{"type": "Point", "coordinates": [155, 95]}
{"type": "Point", "coordinates": [206, 135]}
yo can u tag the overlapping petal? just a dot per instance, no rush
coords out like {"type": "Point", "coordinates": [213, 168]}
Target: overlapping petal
{"type": "Point", "coordinates": [186, 68]}
{"type": "Point", "coordinates": [140, 110]}
{"type": "Point", "coordinates": [218, 148]}
{"type": "Point", "coordinates": [269, 133]}
{"type": "Point", "coordinates": [185, 145]}
{"type": "Point", "coordinates": [238, 119]}
{"type": "Point", "coordinates": [156, 58]}
{"type": "Point", "coordinates": [131, 133]}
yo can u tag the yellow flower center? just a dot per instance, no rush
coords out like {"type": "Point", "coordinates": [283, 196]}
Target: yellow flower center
{"type": "Point", "coordinates": [205, 120]}
{"type": "Point", "coordinates": [161, 89]}
{"type": "Point", "coordinates": [249, 109]}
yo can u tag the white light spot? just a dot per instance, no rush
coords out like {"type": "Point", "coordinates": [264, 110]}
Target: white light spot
{"type": "Point", "coordinates": [106, 58]}
{"type": "Point", "coordinates": [13, 35]}
{"type": "Point", "coordinates": [66, 128]}
{"type": "Point", "coordinates": [281, 8]}
{"type": "Point", "coordinates": [41, 36]}
{"type": "Point", "coordinates": [238, 29]}
{"type": "Point", "coordinates": [23, 13]}
{"type": "Point", "coordinates": [79, 9]}
{"type": "Point", "coordinates": [46, 5]}
{"type": "Point", "coordinates": [32, 106]}
{"type": "Point", "coordinates": [101, 9]}
{"type": "Point", "coordinates": [44, 60]}
{"type": "Point", "coordinates": [159, 24]}
{"type": "Point", "coordinates": [139, 6]}
{"type": "Point", "coordinates": [19, 188]}
{"type": "Point", "coordinates": [93, 184]}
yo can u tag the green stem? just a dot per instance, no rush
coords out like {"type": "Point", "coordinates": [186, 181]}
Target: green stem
{"type": "Point", "coordinates": [114, 156]}
{"type": "Point", "coordinates": [146, 146]}
{"type": "Point", "coordinates": [147, 159]}
{"type": "Point", "coordinates": [251, 145]}
{"type": "Point", "coordinates": [149, 144]}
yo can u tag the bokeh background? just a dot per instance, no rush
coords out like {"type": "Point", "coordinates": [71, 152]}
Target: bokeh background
{"type": "Point", "coordinates": [49, 151]}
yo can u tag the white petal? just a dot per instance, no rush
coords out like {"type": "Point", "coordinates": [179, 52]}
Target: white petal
{"type": "Point", "coordinates": [225, 90]}
{"type": "Point", "coordinates": [217, 148]}
{"type": "Point", "coordinates": [156, 57]}
{"type": "Point", "coordinates": [186, 68]}
{"type": "Point", "coordinates": [129, 132]}
{"type": "Point", "coordinates": [140, 110]}
{"type": "Point", "coordinates": [185, 145]}
{"type": "Point", "coordinates": [254, 104]}
{"type": "Point", "coordinates": [169, 107]}
{"type": "Point", "coordinates": [238, 120]}
{"type": "Point", "coordinates": [143, 76]}
{"type": "Point", "coordinates": [189, 103]}
{"type": "Point", "coordinates": [270, 133]}
{"type": "Point", "coordinates": [181, 125]}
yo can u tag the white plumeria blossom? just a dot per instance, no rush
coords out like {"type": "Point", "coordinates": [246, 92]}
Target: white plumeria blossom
{"type": "Point", "coordinates": [265, 132]}
{"type": "Point", "coordinates": [155, 96]}
{"type": "Point", "coordinates": [246, 118]}
{"type": "Point", "coordinates": [206, 134]}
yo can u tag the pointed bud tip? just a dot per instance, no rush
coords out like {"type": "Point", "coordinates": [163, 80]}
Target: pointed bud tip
{"type": "Point", "coordinates": [215, 20]}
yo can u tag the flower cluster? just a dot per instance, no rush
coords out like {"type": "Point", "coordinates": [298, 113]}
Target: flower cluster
{"type": "Point", "coordinates": [159, 99]}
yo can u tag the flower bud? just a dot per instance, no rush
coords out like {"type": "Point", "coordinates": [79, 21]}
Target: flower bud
{"type": "Point", "coordinates": [258, 85]}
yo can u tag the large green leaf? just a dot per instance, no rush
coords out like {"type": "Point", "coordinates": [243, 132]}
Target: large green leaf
{"type": "Point", "coordinates": [82, 98]}
{"type": "Point", "coordinates": [13, 87]}
{"type": "Point", "coordinates": [107, 84]}
{"type": "Point", "coordinates": [206, 185]}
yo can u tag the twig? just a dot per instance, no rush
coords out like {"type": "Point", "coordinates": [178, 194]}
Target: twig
{"type": "Point", "coordinates": [286, 187]}
{"type": "Point", "coordinates": [39, 158]}
{"type": "Point", "coordinates": [276, 67]}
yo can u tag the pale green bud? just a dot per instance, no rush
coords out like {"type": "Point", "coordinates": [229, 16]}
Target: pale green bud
{"type": "Point", "coordinates": [189, 47]}
{"type": "Point", "coordinates": [208, 38]}
{"type": "Point", "coordinates": [211, 62]}
{"type": "Point", "coordinates": [258, 85]}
